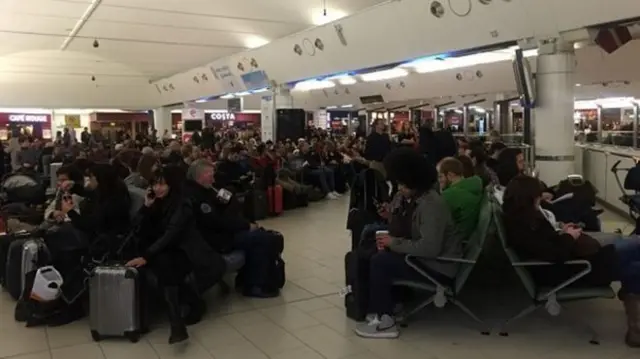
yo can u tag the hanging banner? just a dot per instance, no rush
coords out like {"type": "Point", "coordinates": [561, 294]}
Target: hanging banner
{"type": "Point", "coordinates": [267, 122]}
{"type": "Point", "coordinates": [72, 121]}
{"type": "Point", "coordinates": [229, 81]}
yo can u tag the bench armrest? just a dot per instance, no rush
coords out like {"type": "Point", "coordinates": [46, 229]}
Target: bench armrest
{"type": "Point", "coordinates": [578, 262]}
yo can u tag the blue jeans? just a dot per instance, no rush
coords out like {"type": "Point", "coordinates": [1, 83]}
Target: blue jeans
{"type": "Point", "coordinates": [628, 251]}
{"type": "Point", "coordinates": [326, 178]}
{"type": "Point", "coordinates": [370, 230]}
{"type": "Point", "coordinates": [387, 267]}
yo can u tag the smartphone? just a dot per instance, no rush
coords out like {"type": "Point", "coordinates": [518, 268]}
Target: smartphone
{"type": "Point", "coordinates": [151, 194]}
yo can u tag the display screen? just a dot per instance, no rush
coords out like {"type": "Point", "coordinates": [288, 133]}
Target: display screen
{"type": "Point", "coordinates": [192, 125]}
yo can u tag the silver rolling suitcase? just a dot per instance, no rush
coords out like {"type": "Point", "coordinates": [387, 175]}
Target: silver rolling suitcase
{"type": "Point", "coordinates": [114, 303]}
{"type": "Point", "coordinates": [25, 256]}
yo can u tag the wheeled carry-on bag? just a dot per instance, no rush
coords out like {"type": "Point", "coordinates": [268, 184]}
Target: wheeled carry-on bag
{"type": "Point", "coordinates": [114, 303]}
{"type": "Point", "coordinates": [24, 256]}
{"type": "Point", "coordinates": [255, 205]}
{"type": "Point", "coordinates": [356, 292]}
{"type": "Point", "coordinates": [274, 195]}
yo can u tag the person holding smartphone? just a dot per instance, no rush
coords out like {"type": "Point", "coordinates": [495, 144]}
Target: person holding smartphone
{"type": "Point", "coordinates": [171, 247]}
{"type": "Point", "coordinates": [533, 237]}
{"type": "Point", "coordinates": [429, 233]}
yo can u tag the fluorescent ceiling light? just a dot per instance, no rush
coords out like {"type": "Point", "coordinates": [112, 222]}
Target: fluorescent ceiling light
{"type": "Point", "coordinates": [254, 41]}
{"type": "Point", "coordinates": [347, 81]}
{"type": "Point", "coordinates": [384, 75]}
{"type": "Point", "coordinates": [264, 89]}
{"type": "Point", "coordinates": [331, 107]}
{"type": "Point", "coordinates": [243, 93]}
{"type": "Point", "coordinates": [478, 109]}
{"type": "Point", "coordinates": [578, 85]}
{"type": "Point", "coordinates": [342, 79]}
{"type": "Point", "coordinates": [227, 96]}
{"type": "Point", "coordinates": [448, 63]}
{"type": "Point", "coordinates": [310, 85]}
{"type": "Point", "coordinates": [80, 23]}
{"type": "Point", "coordinates": [321, 16]}
{"type": "Point", "coordinates": [346, 106]}
{"type": "Point", "coordinates": [202, 100]}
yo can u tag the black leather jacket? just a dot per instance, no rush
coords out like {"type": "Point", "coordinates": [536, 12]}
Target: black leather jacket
{"type": "Point", "coordinates": [217, 222]}
{"type": "Point", "coordinates": [169, 224]}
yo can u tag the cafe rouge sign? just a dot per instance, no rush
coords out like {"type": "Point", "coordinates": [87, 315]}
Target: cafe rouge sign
{"type": "Point", "coordinates": [28, 118]}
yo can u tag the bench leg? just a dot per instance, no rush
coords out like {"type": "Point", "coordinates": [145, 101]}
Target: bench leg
{"type": "Point", "coordinates": [522, 314]}
{"type": "Point", "coordinates": [405, 316]}
{"type": "Point", "coordinates": [485, 329]}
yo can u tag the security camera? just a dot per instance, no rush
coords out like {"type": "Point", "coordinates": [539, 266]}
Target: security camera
{"type": "Point", "coordinates": [96, 44]}
{"type": "Point", "coordinates": [93, 78]}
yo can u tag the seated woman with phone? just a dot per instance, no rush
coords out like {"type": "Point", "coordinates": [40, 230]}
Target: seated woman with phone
{"type": "Point", "coordinates": [533, 237]}
{"type": "Point", "coordinates": [167, 237]}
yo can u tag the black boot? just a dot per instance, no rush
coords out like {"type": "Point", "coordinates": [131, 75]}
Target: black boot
{"type": "Point", "coordinates": [197, 306]}
{"type": "Point", "coordinates": [178, 328]}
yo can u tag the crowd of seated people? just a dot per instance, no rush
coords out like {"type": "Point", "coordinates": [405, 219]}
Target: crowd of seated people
{"type": "Point", "coordinates": [443, 217]}
{"type": "Point", "coordinates": [90, 216]}
{"type": "Point", "coordinates": [436, 195]}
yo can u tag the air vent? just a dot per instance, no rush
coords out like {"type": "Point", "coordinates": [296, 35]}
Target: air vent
{"type": "Point", "coordinates": [367, 100]}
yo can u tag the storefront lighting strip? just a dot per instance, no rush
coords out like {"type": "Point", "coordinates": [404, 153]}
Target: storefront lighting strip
{"type": "Point", "coordinates": [610, 102]}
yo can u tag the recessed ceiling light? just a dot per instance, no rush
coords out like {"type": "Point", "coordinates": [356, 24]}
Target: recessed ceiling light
{"type": "Point", "coordinates": [578, 85]}
{"type": "Point", "coordinates": [255, 41]}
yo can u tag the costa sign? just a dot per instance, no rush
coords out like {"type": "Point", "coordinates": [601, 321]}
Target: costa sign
{"type": "Point", "coordinates": [28, 118]}
{"type": "Point", "coordinates": [223, 116]}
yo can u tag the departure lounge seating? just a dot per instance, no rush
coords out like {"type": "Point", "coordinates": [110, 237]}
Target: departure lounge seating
{"type": "Point", "coordinates": [443, 293]}
{"type": "Point", "coordinates": [550, 298]}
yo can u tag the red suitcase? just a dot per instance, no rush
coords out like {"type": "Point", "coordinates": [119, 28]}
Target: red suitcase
{"type": "Point", "coordinates": [274, 195]}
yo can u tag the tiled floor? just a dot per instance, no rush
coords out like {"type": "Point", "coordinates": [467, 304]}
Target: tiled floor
{"type": "Point", "coordinates": [308, 321]}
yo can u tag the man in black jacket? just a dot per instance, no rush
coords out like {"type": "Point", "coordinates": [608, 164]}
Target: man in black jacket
{"type": "Point", "coordinates": [227, 230]}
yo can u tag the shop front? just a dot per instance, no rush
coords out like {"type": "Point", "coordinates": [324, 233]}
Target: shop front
{"type": "Point", "coordinates": [37, 125]}
{"type": "Point", "coordinates": [339, 121]}
{"type": "Point", "coordinates": [109, 124]}
{"type": "Point", "coordinates": [218, 120]}
{"type": "Point", "coordinates": [240, 120]}
{"type": "Point", "coordinates": [395, 119]}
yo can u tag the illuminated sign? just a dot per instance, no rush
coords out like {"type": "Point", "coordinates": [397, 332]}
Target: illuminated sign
{"type": "Point", "coordinates": [223, 116]}
{"type": "Point", "coordinates": [28, 118]}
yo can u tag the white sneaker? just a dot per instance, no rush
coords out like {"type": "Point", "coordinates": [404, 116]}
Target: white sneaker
{"type": "Point", "coordinates": [336, 194]}
{"type": "Point", "coordinates": [378, 328]}
{"type": "Point", "coordinates": [331, 196]}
